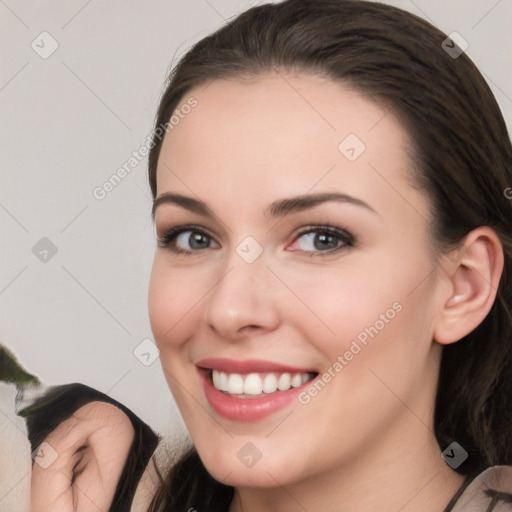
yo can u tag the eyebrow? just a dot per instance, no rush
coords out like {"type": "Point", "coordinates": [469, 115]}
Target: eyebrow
{"type": "Point", "coordinates": [279, 208]}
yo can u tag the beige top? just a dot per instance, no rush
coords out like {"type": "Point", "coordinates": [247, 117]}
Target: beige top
{"type": "Point", "coordinates": [475, 498]}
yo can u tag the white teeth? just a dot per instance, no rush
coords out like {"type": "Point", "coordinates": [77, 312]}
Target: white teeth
{"type": "Point", "coordinates": [285, 382]}
{"type": "Point", "coordinates": [215, 379]}
{"type": "Point", "coordinates": [253, 385]}
{"type": "Point", "coordinates": [296, 380]}
{"type": "Point", "coordinates": [223, 381]}
{"type": "Point", "coordinates": [256, 383]}
{"type": "Point", "coordinates": [269, 383]}
{"type": "Point", "coordinates": [220, 380]}
{"type": "Point", "coordinates": [235, 384]}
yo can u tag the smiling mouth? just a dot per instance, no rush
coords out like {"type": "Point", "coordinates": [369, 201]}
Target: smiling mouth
{"type": "Point", "coordinates": [257, 385]}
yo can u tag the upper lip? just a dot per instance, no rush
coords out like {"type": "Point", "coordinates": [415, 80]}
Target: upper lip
{"type": "Point", "coordinates": [248, 366]}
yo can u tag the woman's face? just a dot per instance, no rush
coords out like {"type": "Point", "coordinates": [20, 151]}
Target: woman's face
{"type": "Point", "coordinates": [268, 290]}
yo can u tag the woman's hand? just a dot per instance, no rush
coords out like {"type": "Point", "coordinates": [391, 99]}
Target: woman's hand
{"type": "Point", "coordinates": [91, 450]}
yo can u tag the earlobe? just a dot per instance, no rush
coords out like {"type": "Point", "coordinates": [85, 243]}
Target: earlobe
{"type": "Point", "coordinates": [474, 282]}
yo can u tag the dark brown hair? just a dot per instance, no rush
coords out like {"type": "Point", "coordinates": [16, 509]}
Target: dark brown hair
{"type": "Point", "coordinates": [463, 159]}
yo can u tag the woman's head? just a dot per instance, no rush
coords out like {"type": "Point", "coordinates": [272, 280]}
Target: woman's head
{"type": "Point", "coordinates": [358, 99]}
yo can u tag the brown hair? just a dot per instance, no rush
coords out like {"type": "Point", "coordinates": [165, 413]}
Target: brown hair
{"type": "Point", "coordinates": [463, 159]}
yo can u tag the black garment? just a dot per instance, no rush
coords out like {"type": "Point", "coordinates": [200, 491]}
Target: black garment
{"type": "Point", "coordinates": [60, 402]}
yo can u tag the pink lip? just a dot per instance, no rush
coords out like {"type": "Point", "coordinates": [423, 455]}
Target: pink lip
{"type": "Point", "coordinates": [246, 409]}
{"type": "Point", "coordinates": [248, 366]}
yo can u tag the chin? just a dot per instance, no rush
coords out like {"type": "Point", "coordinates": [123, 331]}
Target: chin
{"type": "Point", "coordinates": [228, 469]}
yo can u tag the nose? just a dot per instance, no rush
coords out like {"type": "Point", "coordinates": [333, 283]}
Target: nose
{"type": "Point", "coordinates": [243, 302]}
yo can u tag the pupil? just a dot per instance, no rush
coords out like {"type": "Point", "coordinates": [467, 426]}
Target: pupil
{"type": "Point", "coordinates": [196, 238]}
{"type": "Point", "coordinates": [324, 241]}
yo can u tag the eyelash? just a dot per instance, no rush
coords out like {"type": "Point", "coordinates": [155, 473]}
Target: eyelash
{"type": "Point", "coordinates": [347, 239]}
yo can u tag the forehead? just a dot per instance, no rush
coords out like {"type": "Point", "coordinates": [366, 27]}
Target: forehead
{"type": "Point", "coordinates": [284, 134]}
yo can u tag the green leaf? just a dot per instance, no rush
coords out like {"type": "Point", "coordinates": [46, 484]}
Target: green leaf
{"type": "Point", "coordinates": [11, 370]}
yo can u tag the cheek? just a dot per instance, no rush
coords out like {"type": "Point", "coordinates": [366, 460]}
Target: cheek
{"type": "Point", "coordinates": [176, 300]}
{"type": "Point", "coordinates": [379, 302]}
{"type": "Point", "coordinates": [342, 302]}
{"type": "Point", "coordinates": [170, 305]}
{"type": "Point", "coordinates": [169, 301]}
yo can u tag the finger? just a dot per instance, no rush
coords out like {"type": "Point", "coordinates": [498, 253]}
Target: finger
{"type": "Point", "coordinates": [82, 460]}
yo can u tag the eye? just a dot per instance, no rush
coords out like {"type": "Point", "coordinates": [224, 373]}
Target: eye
{"type": "Point", "coordinates": [314, 241]}
{"type": "Point", "coordinates": [319, 240]}
{"type": "Point", "coordinates": [185, 239]}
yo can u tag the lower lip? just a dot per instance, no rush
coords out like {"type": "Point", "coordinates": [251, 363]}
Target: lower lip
{"type": "Point", "coordinates": [247, 409]}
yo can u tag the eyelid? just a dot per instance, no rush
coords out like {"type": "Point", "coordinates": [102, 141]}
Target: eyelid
{"type": "Point", "coordinates": [180, 228]}
{"type": "Point", "coordinates": [169, 236]}
{"type": "Point", "coordinates": [327, 228]}
{"type": "Point", "coordinates": [343, 234]}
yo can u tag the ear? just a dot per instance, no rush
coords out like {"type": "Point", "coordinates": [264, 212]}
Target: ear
{"type": "Point", "coordinates": [474, 274]}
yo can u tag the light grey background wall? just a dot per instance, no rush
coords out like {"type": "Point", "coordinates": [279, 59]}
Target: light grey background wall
{"type": "Point", "coordinates": [74, 268]}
